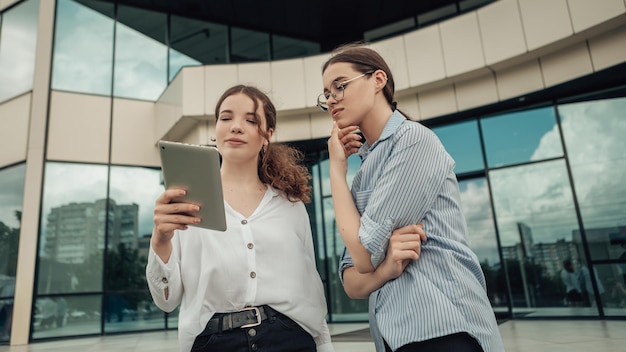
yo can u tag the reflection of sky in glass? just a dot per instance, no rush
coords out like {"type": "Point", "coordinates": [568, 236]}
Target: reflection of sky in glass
{"type": "Point", "coordinates": [463, 144]}
{"type": "Point", "coordinates": [137, 185]}
{"type": "Point", "coordinates": [594, 137]}
{"type": "Point", "coordinates": [479, 218]}
{"type": "Point", "coordinates": [520, 137]}
{"type": "Point", "coordinates": [537, 195]}
{"type": "Point", "coordinates": [83, 49]}
{"type": "Point", "coordinates": [12, 194]}
{"type": "Point", "coordinates": [178, 61]}
{"type": "Point", "coordinates": [140, 65]}
{"type": "Point", "coordinates": [354, 162]}
{"type": "Point", "coordinates": [17, 49]}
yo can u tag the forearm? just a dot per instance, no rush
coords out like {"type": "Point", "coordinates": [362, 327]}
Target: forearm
{"type": "Point", "coordinates": [348, 222]}
{"type": "Point", "coordinates": [359, 285]}
{"type": "Point", "coordinates": [162, 248]}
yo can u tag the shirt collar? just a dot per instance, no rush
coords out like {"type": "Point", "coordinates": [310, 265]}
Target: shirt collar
{"type": "Point", "coordinates": [390, 128]}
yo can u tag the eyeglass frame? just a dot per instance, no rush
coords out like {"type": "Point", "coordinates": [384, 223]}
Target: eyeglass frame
{"type": "Point", "coordinates": [342, 87]}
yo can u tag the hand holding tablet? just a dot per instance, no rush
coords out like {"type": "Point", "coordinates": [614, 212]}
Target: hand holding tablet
{"type": "Point", "coordinates": [196, 169]}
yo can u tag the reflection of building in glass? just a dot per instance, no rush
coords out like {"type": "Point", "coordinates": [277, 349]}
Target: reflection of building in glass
{"type": "Point", "coordinates": [75, 231]}
{"type": "Point", "coordinates": [549, 255]}
{"type": "Point", "coordinates": [552, 255]}
{"type": "Point", "coordinates": [599, 241]}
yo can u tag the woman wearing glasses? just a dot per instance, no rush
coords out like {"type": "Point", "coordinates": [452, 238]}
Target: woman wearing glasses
{"type": "Point", "coordinates": [438, 301]}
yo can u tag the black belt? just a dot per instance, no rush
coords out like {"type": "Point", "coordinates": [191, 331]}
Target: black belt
{"type": "Point", "coordinates": [245, 318]}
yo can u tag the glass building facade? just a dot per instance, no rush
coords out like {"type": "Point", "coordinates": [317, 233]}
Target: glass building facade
{"type": "Point", "coordinates": [541, 182]}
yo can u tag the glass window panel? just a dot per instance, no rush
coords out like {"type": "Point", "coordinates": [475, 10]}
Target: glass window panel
{"type": "Point", "coordinates": [612, 279]}
{"type": "Point", "coordinates": [140, 59]}
{"type": "Point", "coordinates": [132, 312]}
{"type": "Point", "coordinates": [6, 314]}
{"type": "Point", "coordinates": [354, 163]}
{"type": "Point", "coordinates": [18, 39]}
{"type": "Point", "coordinates": [342, 307]}
{"type": "Point", "coordinates": [598, 166]}
{"type": "Point", "coordinates": [74, 219]}
{"type": "Point", "coordinates": [520, 137]}
{"type": "Point", "coordinates": [195, 43]}
{"type": "Point", "coordinates": [11, 199]}
{"type": "Point", "coordinates": [58, 316]}
{"type": "Point", "coordinates": [287, 48]}
{"type": "Point", "coordinates": [137, 188]}
{"type": "Point", "coordinates": [249, 46]}
{"type": "Point", "coordinates": [83, 48]}
{"type": "Point", "coordinates": [537, 224]}
{"type": "Point", "coordinates": [463, 143]}
{"type": "Point", "coordinates": [482, 235]}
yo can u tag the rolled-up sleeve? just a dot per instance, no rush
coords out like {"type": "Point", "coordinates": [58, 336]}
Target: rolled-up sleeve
{"type": "Point", "coordinates": [411, 173]}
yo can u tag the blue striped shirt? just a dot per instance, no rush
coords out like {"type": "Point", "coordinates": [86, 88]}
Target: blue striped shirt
{"type": "Point", "coordinates": [407, 177]}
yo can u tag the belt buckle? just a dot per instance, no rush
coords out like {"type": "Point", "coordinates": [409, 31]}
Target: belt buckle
{"type": "Point", "coordinates": [257, 313]}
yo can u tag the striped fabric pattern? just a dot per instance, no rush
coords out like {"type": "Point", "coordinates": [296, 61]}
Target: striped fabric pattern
{"type": "Point", "coordinates": [407, 177]}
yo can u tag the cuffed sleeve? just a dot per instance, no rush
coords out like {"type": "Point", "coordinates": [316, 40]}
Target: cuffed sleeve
{"type": "Point", "coordinates": [161, 276]}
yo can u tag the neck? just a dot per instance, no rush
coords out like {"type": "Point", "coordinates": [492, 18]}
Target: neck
{"type": "Point", "coordinates": [240, 175]}
{"type": "Point", "coordinates": [373, 124]}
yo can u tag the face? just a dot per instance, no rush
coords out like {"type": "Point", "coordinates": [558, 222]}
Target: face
{"type": "Point", "coordinates": [237, 128]}
{"type": "Point", "coordinates": [358, 94]}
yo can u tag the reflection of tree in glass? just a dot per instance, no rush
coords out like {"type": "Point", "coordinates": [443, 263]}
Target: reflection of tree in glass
{"type": "Point", "coordinates": [9, 239]}
{"type": "Point", "coordinates": [125, 269]}
{"type": "Point", "coordinates": [124, 277]}
{"type": "Point", "coordinates": [544, 290]}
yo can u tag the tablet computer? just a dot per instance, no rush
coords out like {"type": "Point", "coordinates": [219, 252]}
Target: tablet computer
{"type": "Point", "coordinates": [196, 169]}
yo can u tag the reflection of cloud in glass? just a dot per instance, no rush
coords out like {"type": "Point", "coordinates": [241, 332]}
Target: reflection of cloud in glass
{"type": "Point", "coordinates": [537, 195]}
{"type": "Point", "coordinates": [140, 186]}
{"type": "Point", "coordinates": [594, 136]}
{"type": "Point", "coordinates": [140, 65]}
{"type": "Point", "coordinates": [478, 215]}
{"type": "Point", "coordinates": [17, 49]}
{"type": "Point", "coordinates": [83, 50]}
{"type": "Point", "coordinates": [540, 196]}
{"type": "Point", "coordinates": [12, 195]}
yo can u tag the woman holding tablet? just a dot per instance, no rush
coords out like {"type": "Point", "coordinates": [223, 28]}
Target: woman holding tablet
{"type": "Point", "coordinates": [253, 287]}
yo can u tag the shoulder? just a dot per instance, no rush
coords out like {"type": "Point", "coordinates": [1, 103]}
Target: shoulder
{"type": "Point", "coordinates": [414, 132]}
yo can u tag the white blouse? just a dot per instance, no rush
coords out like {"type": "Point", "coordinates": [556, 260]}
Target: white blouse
{"type": "Point", "coordinates": [267, 258]}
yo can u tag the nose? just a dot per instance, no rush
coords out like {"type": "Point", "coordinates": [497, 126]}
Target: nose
{"type": "Point", "coordinates": [235, 127]}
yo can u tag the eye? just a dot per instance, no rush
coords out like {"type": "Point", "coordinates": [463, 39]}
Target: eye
{"type": "Point", "coordinates": [224, 118]}
{"type": "Point", "coordinates": [252, 121]}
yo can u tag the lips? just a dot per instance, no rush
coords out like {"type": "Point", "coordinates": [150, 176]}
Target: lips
{"type": "Point", "coordinates": [235, 141]}
{"type": "Point", "coordinates": [335, 112]}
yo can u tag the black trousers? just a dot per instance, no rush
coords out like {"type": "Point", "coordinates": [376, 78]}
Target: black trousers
{"type": "Point", "coordinates": [459, 342]}
{"type": "Point", "coordinates": [277, 333]}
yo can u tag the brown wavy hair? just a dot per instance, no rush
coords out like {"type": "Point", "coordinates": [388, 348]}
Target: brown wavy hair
{"type": "Point", "coordinates": [364, 59]}
{"type": "Point", "coordinates": [280, 165]}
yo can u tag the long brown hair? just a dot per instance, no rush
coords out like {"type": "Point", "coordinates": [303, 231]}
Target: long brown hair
{"type": "Point", "coordinates": [280, 165]}
{"type": "Point", "coordinates": [364, 59]}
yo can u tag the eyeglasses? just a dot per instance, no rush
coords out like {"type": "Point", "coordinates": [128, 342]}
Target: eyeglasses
{"type": "Point", "coordinates": [336, 92]}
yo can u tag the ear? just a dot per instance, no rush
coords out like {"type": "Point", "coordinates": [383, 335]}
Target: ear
{"type": "Point", "coordinates": [380, 78]}
{"type": "Point", "coordinates": [270, 133]}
